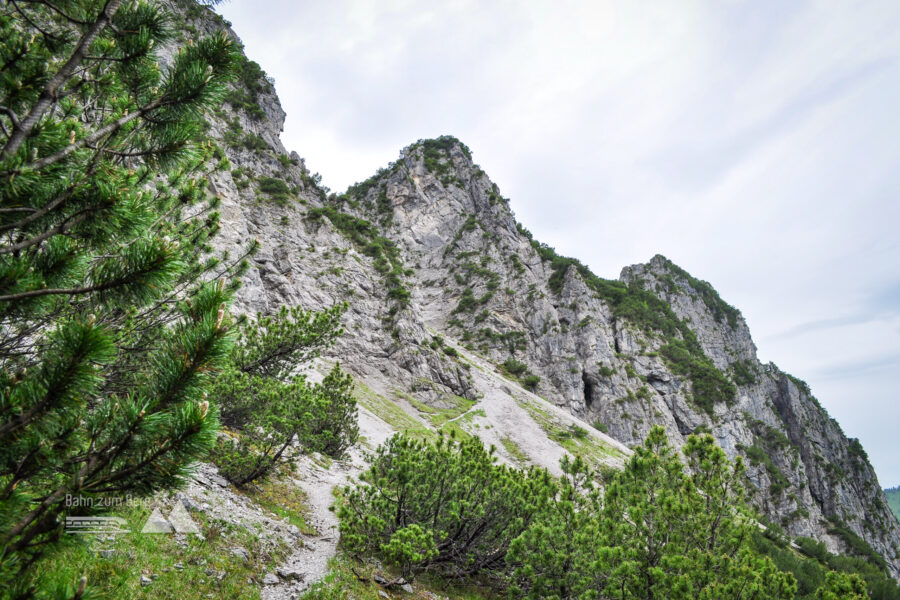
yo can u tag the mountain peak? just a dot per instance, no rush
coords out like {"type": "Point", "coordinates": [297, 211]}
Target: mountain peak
{"type": "Point", "coordinates": [447, 144]}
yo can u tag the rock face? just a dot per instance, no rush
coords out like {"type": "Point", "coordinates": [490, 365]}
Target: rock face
{"type": "Point", "coordinates": [444, 287]}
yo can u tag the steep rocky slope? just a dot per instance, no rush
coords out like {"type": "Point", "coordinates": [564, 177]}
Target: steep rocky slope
{"type": "Point", "coordinates": [455, 310]}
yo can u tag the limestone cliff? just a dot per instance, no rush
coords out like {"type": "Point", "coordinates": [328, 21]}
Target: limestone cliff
{"type": "Point", "coordinates": [456, 310]}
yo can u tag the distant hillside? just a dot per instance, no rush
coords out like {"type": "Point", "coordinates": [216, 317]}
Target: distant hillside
{"type": "Point", "coordinates": [893, 498]}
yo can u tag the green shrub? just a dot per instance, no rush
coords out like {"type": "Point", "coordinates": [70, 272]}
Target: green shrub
{"type": "Point", "coordinates": [709, 385]}
{"type": "Point", "coordinates": [410, 547]}
{"type": "Point", "coordinates": [511, 340]}
{"type": "Point", "coordinates": [467, 302]}
{"type": "Point", "coordinates": [743, 372]}
{"type": "Point", "coordinates": [655, 532]}
{"type": "Point", "coordinates": [454, 493]}
{"type": "Point", "coordinates": [276, 189]}
{"type": "Point", "coordinates": [759, 456]}
{"type": "Point", "coordinates": [287, 161]}
{"type": "Point", "coordinates": [252, 141]}
{"type": "Point", "coordinates": [579, 433]}
{"type": "Point", "coordinates": [514, 367]}
{"type": "Point", "coordinates": [436, 156]}
{"type": "Point", "coordinates": [856, 545]}
{"type": "Point", "coordinates": [111, 322]}
{"type": "Point", "coordinates": [720, 309]}
{"type": "Point", "coordinates": [856, 451]}
{"type": "Point", "coordinates": [270, 408]}
{"type": "Point", "coordinates": [604, 371]}
{"type": "Point", "coordinates": [812, 564]}
{"type": "Point", "coordinates": [449, 509]}
{"type": "Point", "coordinates": [252, 81]}
{"type": "Point", "coordinates": [531, 382]}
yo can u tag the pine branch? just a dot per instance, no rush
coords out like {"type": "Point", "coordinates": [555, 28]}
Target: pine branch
{"type": "Point", "coordinates": [71, 221]}
{"type": "Point", "coordinates": [38, 213]}
{"type": "Point", "coordinates": [57, 10]}
{"type": "Point", "coordinates": [48, 94]}
{"type": "Point", "coordinates": [94, 137]}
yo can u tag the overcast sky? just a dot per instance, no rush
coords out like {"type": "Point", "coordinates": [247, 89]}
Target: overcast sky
{"type": "Point", "coordinates": [756, 144]}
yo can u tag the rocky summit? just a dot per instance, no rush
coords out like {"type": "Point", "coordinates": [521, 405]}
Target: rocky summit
{"type": "Point", "coordinates": [461, 320]}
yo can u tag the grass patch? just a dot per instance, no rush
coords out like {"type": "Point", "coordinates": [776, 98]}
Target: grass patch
{"type": "Point", "coordinates": [284, 499]}
{"type": "Point", "coordinates": [455, 429]}
{"type": "Point", "coordinates": [513, 449]}
{"type": "Point", "coordinates": [200, 568]}
{"type": "Point", "coordinates": [389, 412]}
{"type": "Point", "coordinates": [439, 416]}
{"type": "Point", "coordinates": [573, 438]}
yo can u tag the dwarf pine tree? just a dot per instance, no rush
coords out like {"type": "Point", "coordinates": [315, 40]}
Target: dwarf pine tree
{"type": "Point", "coordinates": [446, 507]}
{"type": "Point", "coordinates": [111, 319]}
{"type": "Point", "coordinates": [684, 535]}
{"type": "Point", "coordinates": [276, 412]}
{"type": "Point", "coordinates": [562, 554]}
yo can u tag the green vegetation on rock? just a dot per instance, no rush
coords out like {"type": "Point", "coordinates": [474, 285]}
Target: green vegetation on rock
{"type": "Point", "coordinates": [252, 81]}
{"type": "Point", "coordinates": [719, 309]}
{"type": "Point", "coordinates": [385, 254]}
{"type": "Point", "coordinates": [744, 372]}
{"type": "Point", "coordinates": [276, 189]}
{"type": "Point", "coordinates": [436, 155]}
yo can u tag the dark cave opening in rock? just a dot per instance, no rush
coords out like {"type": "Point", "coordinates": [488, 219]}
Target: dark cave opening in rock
{"type": "Point", "coordinates": [588, 390]}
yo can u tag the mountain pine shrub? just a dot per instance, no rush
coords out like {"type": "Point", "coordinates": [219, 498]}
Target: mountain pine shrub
{"type": "Point", "coordinates": [276, 412]}
{"type": "Point", "coordinates": [445, 507]}
{"type": "Point", "coordinates": [655, 532]}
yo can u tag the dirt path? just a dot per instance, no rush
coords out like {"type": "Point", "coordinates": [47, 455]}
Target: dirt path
{"type": "Point", "coordinates": [309, 561]}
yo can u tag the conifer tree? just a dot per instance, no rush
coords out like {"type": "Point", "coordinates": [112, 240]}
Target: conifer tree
{"type": "Point", "coordinates": [562, 554]}
{"type": "Point", "coordinates": [842, 586]}
{"type": "Point", "coordinates": [443, 506]}
{"type": "Point", "coordinates": [113, 312]}
{"type": "Point", "coordinates": [273, 408]}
